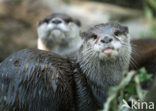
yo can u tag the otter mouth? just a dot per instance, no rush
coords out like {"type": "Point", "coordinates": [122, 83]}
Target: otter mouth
{"type": "Point", "coordinates": [56, 29]}
{"type": "Point", "coordinates": [108, 50]}
{"type": "Point", "coordinates": [57, 34]}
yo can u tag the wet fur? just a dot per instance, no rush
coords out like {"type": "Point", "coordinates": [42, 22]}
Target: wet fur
{"type": "Point", "coordinates": [35, 80]}
{"type": "Point", "coordinates": [30, 82]}
{"type": "Point", "coordinates": [94, 68]}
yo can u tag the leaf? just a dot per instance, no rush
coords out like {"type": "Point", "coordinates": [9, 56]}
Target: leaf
{"type": "Point", "coordinates": [144, 76]}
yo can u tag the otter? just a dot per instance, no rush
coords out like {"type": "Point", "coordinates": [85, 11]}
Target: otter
{"type": "Point", "coordinates": [143, 55]}
{"type": "Point", "coordinates": [59, 33]}
{"type": "Point", "coordinates": [37, 80]}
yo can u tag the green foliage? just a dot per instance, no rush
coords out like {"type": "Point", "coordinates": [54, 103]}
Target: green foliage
{"type": "Point", "coordinates": [13, 1]}
{"type": "Point", "coordinates": [129, 88]}
{"type": "Point", "coordinates": [149, 9]}
{"type": "Point", "coordinates": [144, 76]}
{"type": "Point", "coordinates": [66, 1]}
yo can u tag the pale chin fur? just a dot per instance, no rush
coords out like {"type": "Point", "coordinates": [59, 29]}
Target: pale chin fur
{"type": "Point", "coordinates": [65, 34]}
{"type": "Point", "coordinates": [99, 68]}
{"type": "Point", "coordinates": [118, 50]}
{"type": "Point", "coordinates": [99, 49]}
{"type": "Point", "coordinates": [51, 31]}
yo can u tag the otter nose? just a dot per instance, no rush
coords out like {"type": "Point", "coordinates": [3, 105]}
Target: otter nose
{"type": "Point", "coordinates": [106, 40]}
{"type": "Point", "coordinates": [56, 21]}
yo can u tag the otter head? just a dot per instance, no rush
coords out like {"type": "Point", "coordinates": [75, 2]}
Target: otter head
{"type": "Point", "coordinates": [105, 53]}
{"type": "Point", "coordinates": [107, 41]}
{"type": "Point", "coordinates": [58, 27]}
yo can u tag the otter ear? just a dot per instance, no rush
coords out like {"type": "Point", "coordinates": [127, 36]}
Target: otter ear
{"type": "Point", "coordinates": [83, 35]}
{"type": "Point", "coordinates": [42, 21]}
{"type": "Point", "coordinates": [39, 23]}
{"type": "Point", "coordinates": [77, 22]}
{"type": "Point", "coordinates": [125, 29]}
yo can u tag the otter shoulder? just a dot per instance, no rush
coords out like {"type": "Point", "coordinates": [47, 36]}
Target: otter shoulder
{"type": "Point", "coordinates": [39, 75]}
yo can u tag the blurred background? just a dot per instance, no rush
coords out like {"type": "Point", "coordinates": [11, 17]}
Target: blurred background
{"type": "Point", "coordinates": [18, 18]}
{"type": "Point", "coordinates": [18, 25]}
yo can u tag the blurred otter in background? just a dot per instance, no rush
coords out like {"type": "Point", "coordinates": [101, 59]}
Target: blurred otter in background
{"type": "Point", "coordinates": [59, 33]}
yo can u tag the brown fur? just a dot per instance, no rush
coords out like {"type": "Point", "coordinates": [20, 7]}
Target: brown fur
{"type": "Point", "coordinates": [144, 54]}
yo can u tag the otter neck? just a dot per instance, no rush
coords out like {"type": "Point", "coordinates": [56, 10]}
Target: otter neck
{"type": "Point", "coordinates": [103, 72]}
{"type": "Point", "coordinates": [66, 46]}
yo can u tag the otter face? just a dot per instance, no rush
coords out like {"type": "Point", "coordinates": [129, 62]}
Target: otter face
{"type": "Point", "coordinates": [57, 26]}
{"type": "Point", "coordinates": [108, 40]}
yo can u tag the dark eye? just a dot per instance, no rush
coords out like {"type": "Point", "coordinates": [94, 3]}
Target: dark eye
{"type": "Point", "coordinates": [117, 33]}
{"type": "Point", "coordinates": [94, 36]}
{"type": "Point", "coordinates": [46, 20]}
{"type": "Point", "coordinates": [68, 20]}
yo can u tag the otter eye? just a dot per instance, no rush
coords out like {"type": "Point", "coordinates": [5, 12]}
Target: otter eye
{"type": "Point", "coordinates": [117, 33]}
{"type": "Point", "coordinates": [68, 20]}
{"type": "Point", "coordinates": [94, 36]}
{"type": "Point", "coordinates": [46, 20]}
